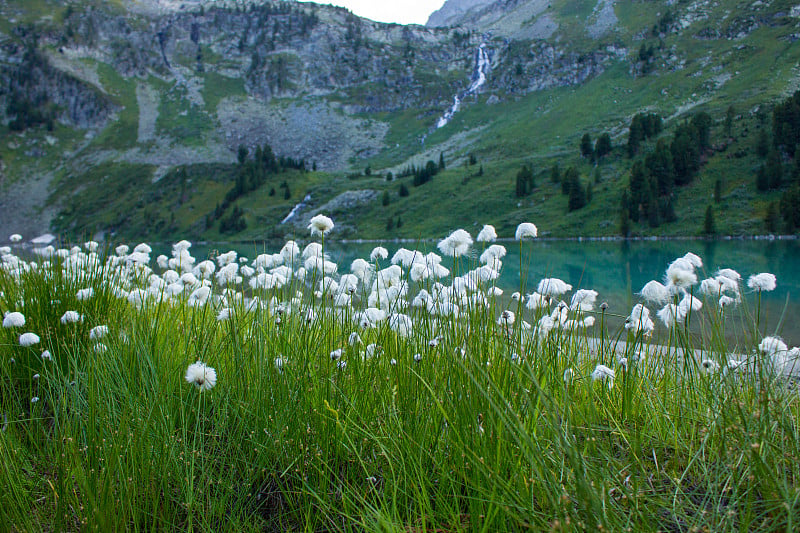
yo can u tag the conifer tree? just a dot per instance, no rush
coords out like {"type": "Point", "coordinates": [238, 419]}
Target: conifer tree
{"type": "Point", "coordinates": [708, 223]}
{"type": "Point", "coordinates": [586, 145]}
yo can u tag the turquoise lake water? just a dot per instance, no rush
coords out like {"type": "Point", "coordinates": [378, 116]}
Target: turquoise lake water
{"type": "Point", "coordinates": [615, 269]}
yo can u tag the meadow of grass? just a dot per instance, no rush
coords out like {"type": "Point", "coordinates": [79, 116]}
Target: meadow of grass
{"type": "Point", "coordinates": [403, 396]}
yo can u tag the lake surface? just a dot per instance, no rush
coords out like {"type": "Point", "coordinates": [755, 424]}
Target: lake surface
{"type": "Point", "coordinates": [615, 269]}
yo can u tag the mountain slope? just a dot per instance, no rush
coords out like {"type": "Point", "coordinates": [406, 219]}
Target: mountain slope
{"type": "Point", "coordinates": [147, 91]}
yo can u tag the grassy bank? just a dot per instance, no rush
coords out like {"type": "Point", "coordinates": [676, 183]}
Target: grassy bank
{"type": "Point", "coordinates": [371, 406]}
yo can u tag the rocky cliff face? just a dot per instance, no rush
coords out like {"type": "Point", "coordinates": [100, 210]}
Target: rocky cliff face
{"type": "Point", "coordinates": [34, 92]}
{"type": "Point", "coordinates": [340, 65]}
{"type": "Point", "coordinates": [156, 84]}
{"type": "Point", "coordinates": [456, 12]}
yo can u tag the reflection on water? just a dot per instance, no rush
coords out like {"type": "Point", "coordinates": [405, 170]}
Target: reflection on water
{"type": "Point", "coordinates": [615, 269]}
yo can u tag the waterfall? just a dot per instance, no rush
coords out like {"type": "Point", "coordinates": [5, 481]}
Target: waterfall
{"type": "Point", "coordinates": [295, 209]}
{"type": "Point", "coordinates": [477, 80]}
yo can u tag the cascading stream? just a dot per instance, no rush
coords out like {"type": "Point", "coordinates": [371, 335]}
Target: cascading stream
{"type": "Point", "coordinates": [477, 80]}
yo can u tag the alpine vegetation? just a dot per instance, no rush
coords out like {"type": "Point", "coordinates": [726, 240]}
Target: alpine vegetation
{"type": "Point", "coordinates": [397, 392]}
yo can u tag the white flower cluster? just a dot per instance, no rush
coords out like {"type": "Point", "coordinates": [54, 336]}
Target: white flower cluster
{"type": "Point", "coordinates": [409, 293]}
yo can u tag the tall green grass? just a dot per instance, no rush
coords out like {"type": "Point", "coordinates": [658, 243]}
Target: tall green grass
{"type": "Point", "coordinates": [466, 424]}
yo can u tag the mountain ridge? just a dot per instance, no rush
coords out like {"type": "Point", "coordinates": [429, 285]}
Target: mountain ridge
{"type": "Point", "coordinates": [163, 85]}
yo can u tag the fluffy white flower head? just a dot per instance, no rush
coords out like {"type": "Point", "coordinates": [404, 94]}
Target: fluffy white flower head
{"type": "Point", "coordinates": [85, 294]}
{"type": "Point", "coordinates": [98, 332]}
{"type": "Point", "coordinates": [201, 375]}
{"type": "Point", "coordinates": [14, 320]}
{"type": "Point", "coordinates": [552, 287]}
{"type": "Point", "coordinates": [680, 274]}
{"type": "Point", "coordinates": [28, 339]}
{"type": "Point", "coordinates": [487, 234]}
{"type": "Point", "coordinates": [762, 282]}
{"type": "Point", "coordinates": [456, 244]}
{"type": "Point", "coordinates": [71, 317]}
{"type": "Point", "coordinates": [16, 237]}
{"type": "Point", "coordinates": [772, 346]}
{"type": "Point", "coordinates": [379, 252]}
{"type": "Point", "coordinates": [654, 292]}
{"type": "Point", "coordinates": [320, 225]}
{"type": "Point", "coordinates": [603, 373]}
{"type": "Point", "coordinates": [526, 230]}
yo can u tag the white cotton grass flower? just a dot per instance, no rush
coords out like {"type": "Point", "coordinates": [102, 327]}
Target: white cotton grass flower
{"type": "Point", "coordinates": [312, 249]}
{"type": "Point", "coordinates": [85, 294]}
{"type": "Point", "coordinates": [569, 375]}
{"type": "Point", "coordinates": [583, 300]}
{"type": "Point", "coordinates": [688, 304]}
{"type": "Point", "coordinates": [405, 257]}
{"type": "Point", "coordinates": [98, 332]}
{"type": "Point", "coordinates": [91, 246]}
{"type": "Point", "coordinates": [379, 252]}
{"type": "Point", "coordinates": [526, 230]}
{"type": "Point", "coordinates": [728, 285]}
{"type": "Point", "coordinates": [711, 287]}
{"type": "Point", "coordinates": [604, 374]}
{"type": "Point", "coordinates": [362, 269]}
{"type": "Point", "coordinates": [227, 258]}
{"type": "Point", "coordinates": [142, 248]}
{"type": "Point", "coordinates": [199, 296]}
{"type": "Point", "coordinates": [372, 350]}
{"type": "Point", "coordinates": [727, 301]}
{"type": "Point", "coordinates": [680, 274]}
{"type": "Point", "coordinates": [668, 315]}
{"type": "Point", "coordinates": [14, 319]}
{"type": "Point", "coordinates": [335, 355]}
{"type": "Point", "coordinates": [778, 352]}
{"type": "Point", "coordinates": [762, 282]}
{"type": "Point", "coordinates": [456, 244]}
{"type": "Point", "coordinates": [536, 301]}
{"type": "Point", "coordinates": [493, 254]}
{"type": "Point", "coordinates": [354, 339]}
{"type": "Point", "coordinates": [46, 356]}
{"type": "Point", "coordinates": [694, 260]}
{"type": "Point", "coordinates": [730, 274]}
{"type": "Point", "coordinates": [279, 364]}
{"type": "Point", "coordinates": [201, 375]}
{"type": "Point", "coordinates": [772, 345]}
{"type": "Point", "coordinates": [71, 317]}
{"type": "Point", "coordinates": [639, 321]}
{"type": "Point", "coordinates": [15, 237]}
{"type": "Point", "coordinates": [655, 293]}
{"type": "Point", "coordinates": [29, 339]}
{"type": "Point", "coordinates": [553, 287]}
{"type": "Point", "coordinates": [320, 225]}
{"type": "Point", "coordinates": [544, 326]}
{"type": "Point", "coordinates": [506, 318]}
{"type": "Point", "coordinates": [487, 234]}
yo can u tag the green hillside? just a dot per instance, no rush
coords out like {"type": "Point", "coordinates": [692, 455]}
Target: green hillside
{"type": "Point", "coordinates": [163, 154]}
